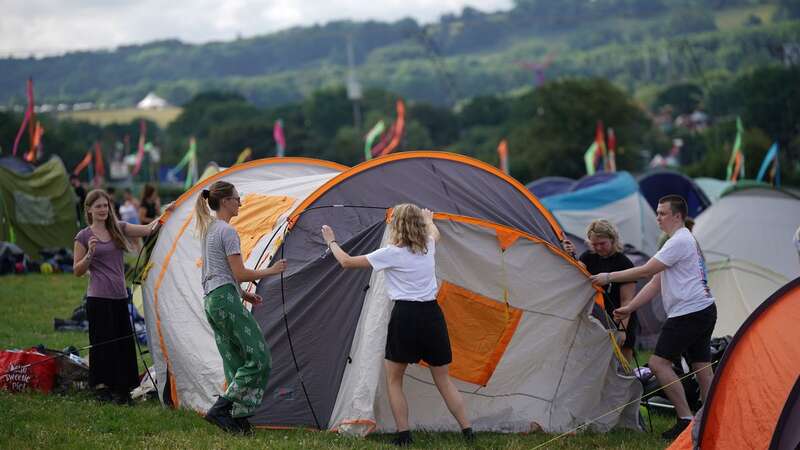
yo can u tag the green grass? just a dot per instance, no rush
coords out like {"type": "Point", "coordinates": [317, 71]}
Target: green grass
{"type": "Point", "coordinates": [124, 115]}
{"type": "Point", "coordinates": [28, 305]}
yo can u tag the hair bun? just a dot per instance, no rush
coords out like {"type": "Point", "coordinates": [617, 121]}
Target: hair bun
{"type": "Point", "coordinates": [205, 193]}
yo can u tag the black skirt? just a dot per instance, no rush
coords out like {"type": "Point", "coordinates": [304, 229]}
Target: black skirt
{"type": "Point", "coordinates": [112, 357]}
{"type": "Point", "coordinates": [418, 331]}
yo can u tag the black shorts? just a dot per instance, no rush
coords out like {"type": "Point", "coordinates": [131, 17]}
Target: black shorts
{"type": "Point", "coordinates": [690, 334]}
{"type": "Point", "coordinates": [418, 331]}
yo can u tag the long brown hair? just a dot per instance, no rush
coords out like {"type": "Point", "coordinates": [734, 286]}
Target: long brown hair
{"type": "Point", "coordinates": [111, 220]}
{"type": "Point", "coordinates": [408, 228]}
{"type": "Point", "coordinates": [210, 198]}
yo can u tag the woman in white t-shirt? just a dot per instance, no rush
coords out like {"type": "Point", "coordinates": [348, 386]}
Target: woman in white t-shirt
{"type": "Point", "coordinates": [417, 329]}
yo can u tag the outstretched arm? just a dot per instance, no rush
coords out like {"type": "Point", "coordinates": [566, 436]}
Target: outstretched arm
{"type": "Point", "coordinates": [345, 260]}
{"type": "Point", "coordinates": [651, 268]}
{"type": "Point", "coordinates": [243, 274]}
{"type": "Point", "coordinates": [433, 232]}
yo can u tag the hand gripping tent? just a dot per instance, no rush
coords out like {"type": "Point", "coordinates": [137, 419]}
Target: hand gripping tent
{"type": "Point", "coordinates": [527, 354]}
{"type": "Point", "coordinates": [187, 365]}
{"type": "Point", "coordinates": [754, 400]}
{"type": "Point", "coordinates": [613, 196]}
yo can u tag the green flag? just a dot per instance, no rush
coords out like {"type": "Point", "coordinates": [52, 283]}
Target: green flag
{"type": "Point", "coordinates": [373, 134]}
{"type": "Point", "coordinates": [736, 161]}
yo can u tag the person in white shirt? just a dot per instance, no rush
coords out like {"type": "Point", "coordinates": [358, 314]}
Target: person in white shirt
{"type": "Point", "coordinates": [417, 329]}
{"type": "Point", "coordinates": [679, 274]}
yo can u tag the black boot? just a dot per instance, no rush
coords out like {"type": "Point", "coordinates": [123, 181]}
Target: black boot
{"type": "Point", "coordinates": [244, 425]}
{"type": "Point", "coordinates": [403, 439]}
{"type": "Point", "coordinates": [220, 415]}
{"type": "Point", "coordinates": [468, 434]}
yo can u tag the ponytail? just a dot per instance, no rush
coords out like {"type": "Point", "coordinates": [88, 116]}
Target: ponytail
{"type": "Point", "coordinates": [208, 200]}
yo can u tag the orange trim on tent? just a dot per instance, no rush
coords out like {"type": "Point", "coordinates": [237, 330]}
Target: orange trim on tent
{"type": "Point", "coordinates": [173, 389]}
{"type": "Point", "coordinates": [480, 330]}
{"type": "Point", "coordinates": [249, 165]}
{"type": "Point", "coordinates": [506, 238]}
{"type": "Point", "coordinates": [258, 213]}
{"type": "Point", "coordinates": [433, 155]}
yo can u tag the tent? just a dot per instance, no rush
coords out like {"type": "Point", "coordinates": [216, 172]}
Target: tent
{"type": "Point", "coordinates": [528, 354]}
{"type": "Point", "coordinates": [712, 187]}
{"type": "Point", "coordinates": [547, 186]}
{"type": "Point", "coordinates": [754, 400]}
{"type": "Point", "coordinates": [37, 208]}
{"type": "Point", "coordinates": [754, 224]}
{"type": "Point", "coordinates": [657, 184]}
{"type": "Point", "coordinates": [152, 101]}
{"type": "Point", "coordinates": [739, 287]}
{"type": "Point", "coordinates": [613, 196]}
{"type": "Point", "coordinates": [182, 342]}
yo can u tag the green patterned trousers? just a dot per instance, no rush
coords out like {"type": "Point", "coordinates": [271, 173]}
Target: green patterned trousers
{"type": "Point", "coordinates": [245, 356]}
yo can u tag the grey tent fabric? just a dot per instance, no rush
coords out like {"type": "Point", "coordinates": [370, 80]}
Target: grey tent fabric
{"type": "Point", "coordinates": [323, 304]}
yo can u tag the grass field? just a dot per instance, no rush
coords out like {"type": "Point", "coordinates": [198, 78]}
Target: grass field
{"type": "Point", "coordinates": [28, 305]}
{"type": "Point", "coordinates": [124, 115]}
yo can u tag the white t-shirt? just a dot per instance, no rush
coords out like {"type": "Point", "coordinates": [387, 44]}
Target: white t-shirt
{"type": "Point", "coordinates": [684, 284]}
{"type": "Point", "coordinates": [409, 276]}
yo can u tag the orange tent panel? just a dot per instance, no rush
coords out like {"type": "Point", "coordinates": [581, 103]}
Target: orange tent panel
{"type": "Point", "coordinates": [480, 330]}
{"type": "Point", "coordinates": [257, 216]}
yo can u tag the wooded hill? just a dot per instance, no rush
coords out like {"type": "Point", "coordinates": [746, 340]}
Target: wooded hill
{"type": "Point", "coordinates": [640, 45]}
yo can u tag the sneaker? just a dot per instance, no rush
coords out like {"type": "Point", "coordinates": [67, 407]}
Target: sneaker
{"type": "Point", "coordinates": [220, 415]}
{"type": "Point", "coordinates": [103, 394]}
{"type": "Point", "coordinates": [676, 430]}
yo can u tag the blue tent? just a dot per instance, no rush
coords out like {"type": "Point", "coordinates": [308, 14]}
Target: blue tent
{"type": "Point", "coordinates": [612, 196]}
{"type": "Point", "coordinates": [547, 186]}
{"type": "Point", "coordinates": [655, 185]}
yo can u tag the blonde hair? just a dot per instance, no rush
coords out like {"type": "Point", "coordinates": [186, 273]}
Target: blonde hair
{"type": "Point", "coordinates": [408, 228]}
{"type": "Point", "coordinates": [604, 228]}
{"type": "Point", "coordinates": [210, 198]}
{"type": "Point", "coordinates": [111, 220]}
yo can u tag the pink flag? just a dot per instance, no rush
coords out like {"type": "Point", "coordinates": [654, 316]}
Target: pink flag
{"type": "Point", "coordinates": [280, 139]}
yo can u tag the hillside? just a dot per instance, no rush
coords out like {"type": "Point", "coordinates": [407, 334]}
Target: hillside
{"type": "Point", "coordinates": [638, 44]}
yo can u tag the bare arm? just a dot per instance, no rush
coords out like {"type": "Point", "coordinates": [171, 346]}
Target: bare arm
{"type": "Point", "coordinates": [344, 259]}
{"type": "Point", "coordinates": [433, 231]}
{"type": "Point", "coordinates": [652, 267]}
{"type": "Point", "coordinates": [82, 257]}
{"type": "Point", "coordinates": [648, 292]}
{"type": "Point", "coordinates": [133, 230]}
{"type": "Point", "coordinates": [626, 293]}
{"type": "Point", "coordinates": [243, 274]}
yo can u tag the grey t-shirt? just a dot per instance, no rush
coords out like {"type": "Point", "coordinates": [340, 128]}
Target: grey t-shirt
{"type": "Point", "coordinates": [220, 242]}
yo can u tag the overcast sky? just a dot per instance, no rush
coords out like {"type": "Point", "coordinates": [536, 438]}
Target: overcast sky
{"type": "Point", "coordinates": [45, 27]}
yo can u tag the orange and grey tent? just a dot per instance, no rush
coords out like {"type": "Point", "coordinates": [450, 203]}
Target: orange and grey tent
{"type": "Point", "coordinates": [754, 400]}
{"type": "Point", "coordinates": [528, 354]}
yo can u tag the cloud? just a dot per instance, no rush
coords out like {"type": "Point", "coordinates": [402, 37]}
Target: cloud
{"type": "Point", "coordinates": [43, 27]}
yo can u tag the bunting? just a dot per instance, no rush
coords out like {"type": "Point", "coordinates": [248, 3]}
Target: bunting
{"type": "Point", "coordinates": [140, 152]}
{"type": "Point", "coordinates": [502, 153]}
{"type": "Point", "coordinates": [391, 140]}
{"type": "Point", "coordinates": [85, 162]}
{"type": "Point", "coordinates": [28, 120]}
{"type": "Point", "coordinates": [736, 162]}
{"type": "Point", "coordinates": [244, 155]}
{"type": "Point", "coordinates": [771, 164]}
{"type": "Point", "coordinates": [99, 166]}
{"type": "Point", "coordinates": [369, 140]}
{"type": "Point", "coordinates": [612, 151]}
{"type": "Point", "coordinates": [280, 139]}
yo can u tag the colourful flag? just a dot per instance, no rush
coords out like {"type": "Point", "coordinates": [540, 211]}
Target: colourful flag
{"type": "Point", "coordinates": [140, 152]}
{"type": "Point", "coordinates": [736, 162]}
{"type": "Point", "coordinates": [280, 139]}
{"type": "Point", "coordinates": [369, 140]}
{"type": "Point", "coordinates": [612, 150]}
{"type": "Point", "coordinates": [83, 164]}
{"type": "Point", "coordinates": [27, 120]}
{"type": "Point", "coordinates": [771, 159]}
{"type": "Point", "coordinates": [600, 139]}
{"type": "Point", "coordinates": [99, 166]}
{"type": "Point", "coordinates": [244, 155]}
{"type": "Point", "coordinates": [395, 134]}
{"type": "Point", "coordinates": [35, 151]}
{"type": "Point", "coordinates": [589, 158]}
{"type": "Point", "coordinates": [502, 152]}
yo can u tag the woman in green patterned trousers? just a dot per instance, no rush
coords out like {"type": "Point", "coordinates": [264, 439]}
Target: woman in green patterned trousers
{"type": "Point", "coordinates": [245, 356]}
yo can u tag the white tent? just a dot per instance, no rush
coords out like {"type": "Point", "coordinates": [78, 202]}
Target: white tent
{"type": "Point", "coordinates": [753, 224]}
{"type": "Point", "coordinates": [173, 298]}
{"type": "Point", "coordinates": [152, 101]}
{"type": "Point", "coordinates": [738, 288]}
